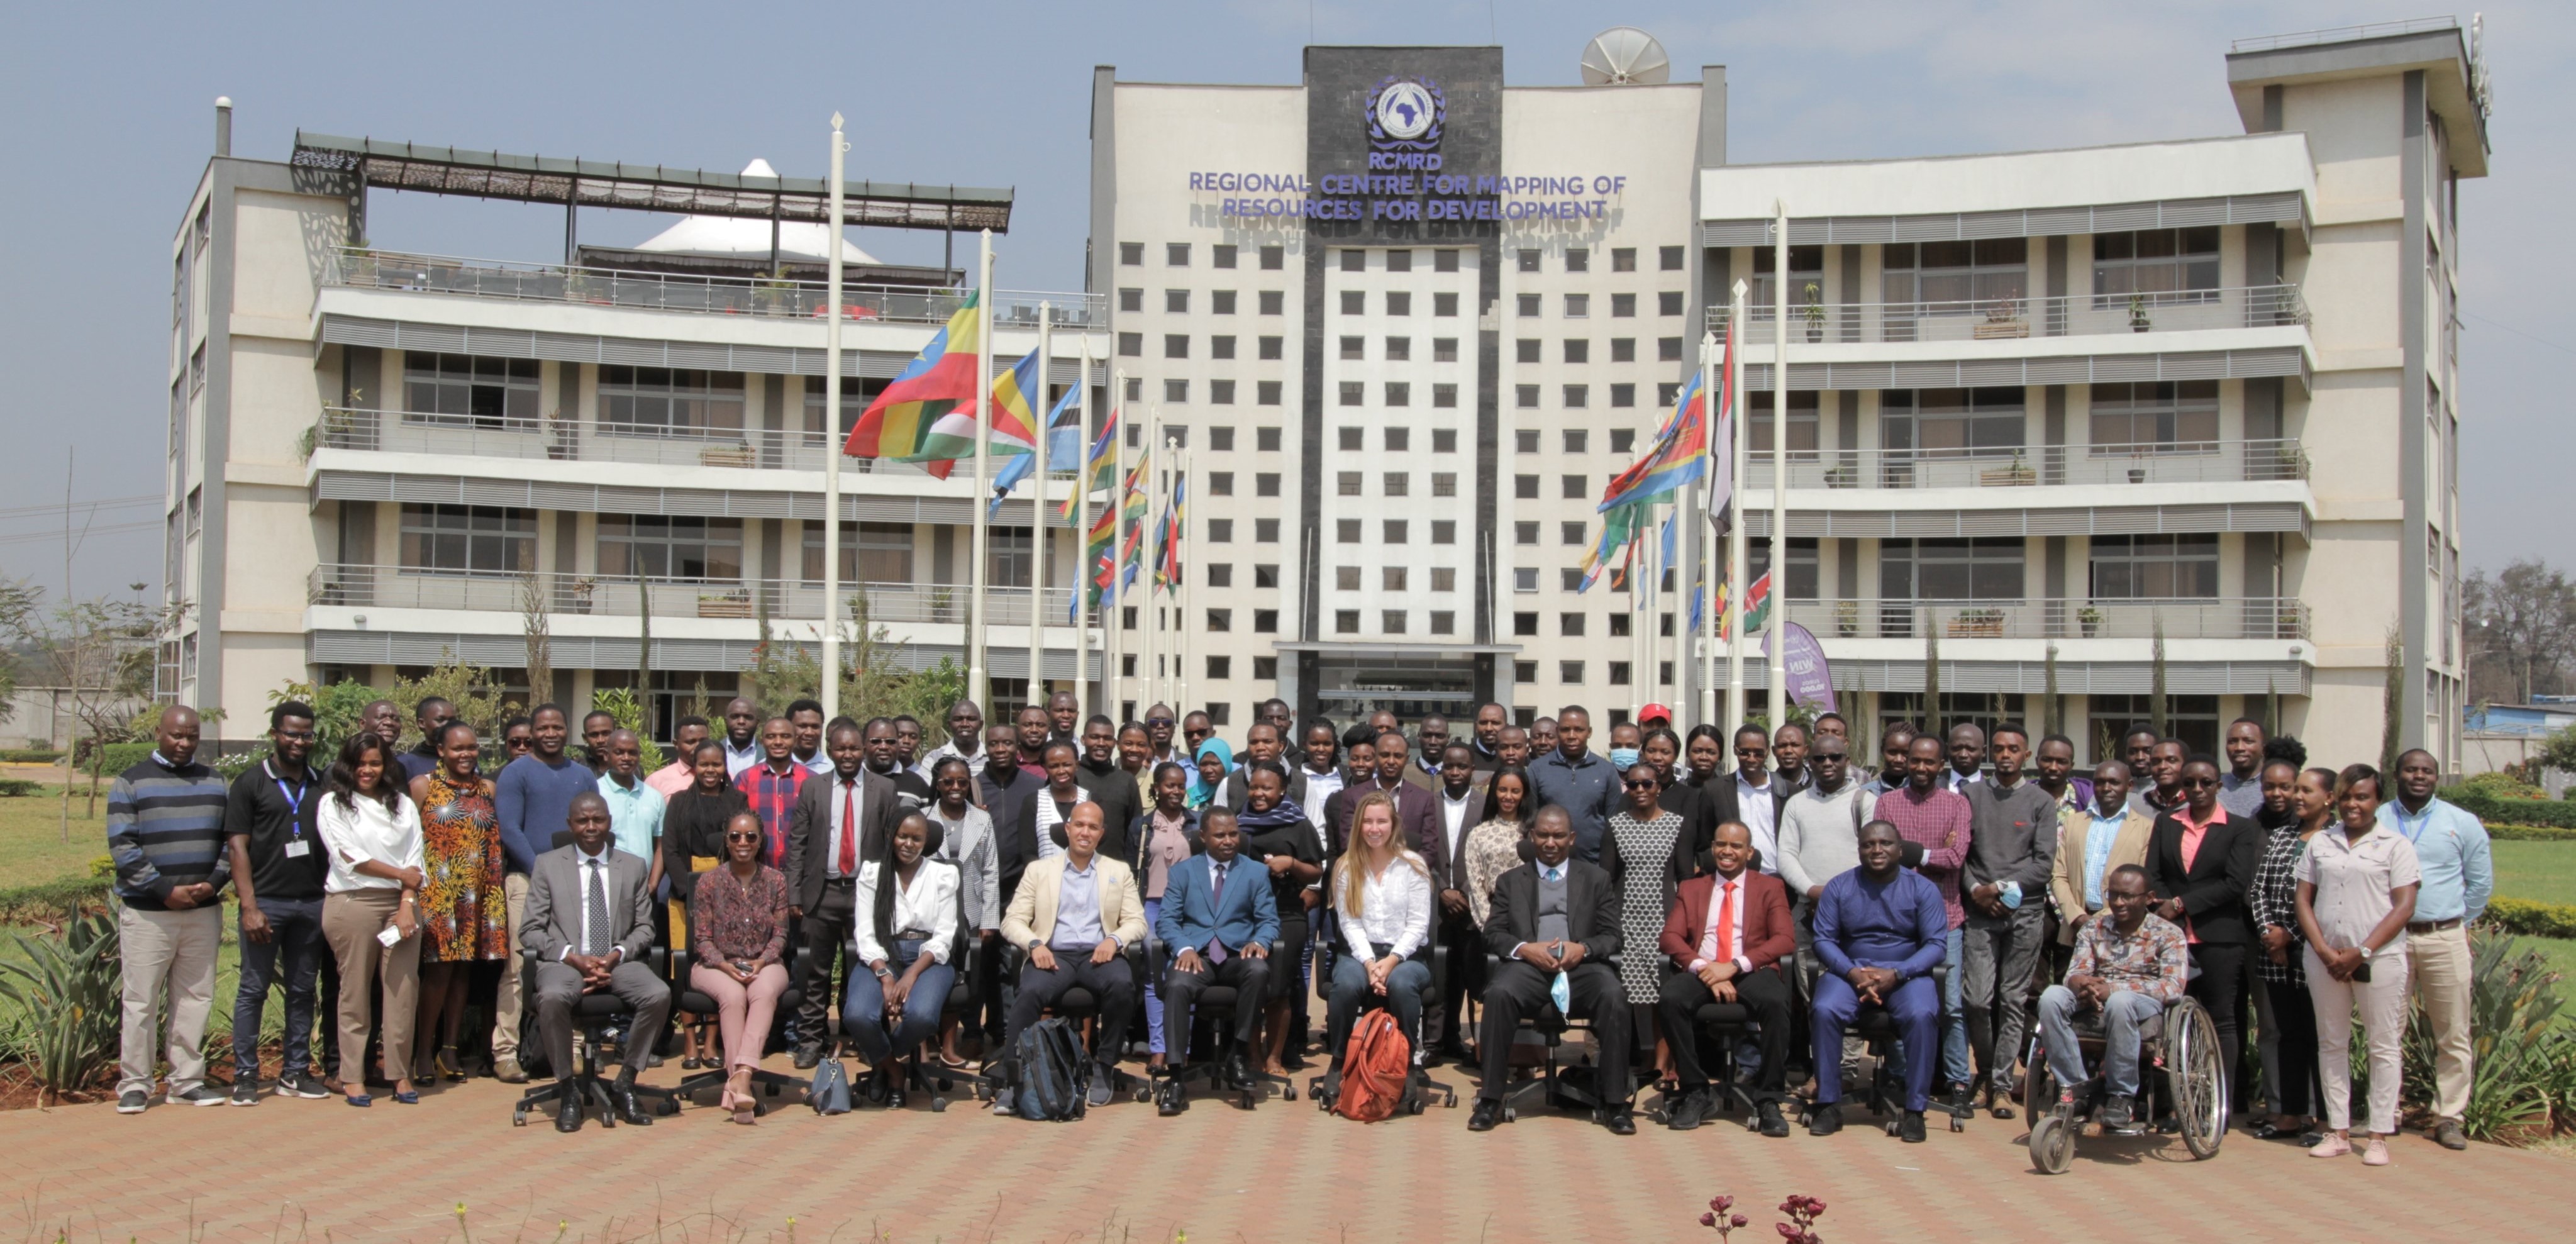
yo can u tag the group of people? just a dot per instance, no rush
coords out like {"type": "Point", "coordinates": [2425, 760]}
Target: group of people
{"type": "Point", "coordinates": [1974, 888]}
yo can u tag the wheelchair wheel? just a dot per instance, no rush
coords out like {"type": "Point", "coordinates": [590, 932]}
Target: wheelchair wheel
{"type": "Point", "coordinates": [2195, 1077]}
{"type": "Point", "coordinates": [2052, 1143]}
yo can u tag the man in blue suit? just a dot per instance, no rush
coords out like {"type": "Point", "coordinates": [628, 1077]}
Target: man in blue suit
{"type": "Point", "coordinates": [1880, 928]}
{"type": "Point", "coordinates": [1218, 919]}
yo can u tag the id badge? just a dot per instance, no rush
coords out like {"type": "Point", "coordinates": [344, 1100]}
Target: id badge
{"type": "Point", "coordinates": [297, 848]}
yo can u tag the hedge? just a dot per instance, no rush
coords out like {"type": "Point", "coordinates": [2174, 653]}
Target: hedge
{"type": "Point", "coordinates": [2551, 813]}
{"type": "Point", "coordinates": [2530, 833]}
{"type": "Point", "coordinates": [52, 900]}
{"type": "Point", "coordinates": [30, 755]}
{"type": "Point", "coordinates": [2529, 919]}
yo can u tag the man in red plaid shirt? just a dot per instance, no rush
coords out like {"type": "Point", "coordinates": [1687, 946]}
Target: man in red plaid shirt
{"type": "Point", "coordinates": [773, 784]}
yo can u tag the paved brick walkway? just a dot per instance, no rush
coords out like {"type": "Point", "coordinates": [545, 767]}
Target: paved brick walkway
{"type": "Point", "coordinates": [1285, 1172]}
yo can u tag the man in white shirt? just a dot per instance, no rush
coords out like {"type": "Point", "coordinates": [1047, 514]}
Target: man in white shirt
{"type": "Point", "coordinates": [1728, 933]}
{"type": "Point", "coordinates": [1321, 770]}
{"type": "Point", "coordinates": [742, 744]}
{"type": "Point", "coordinates": [1755, 804]}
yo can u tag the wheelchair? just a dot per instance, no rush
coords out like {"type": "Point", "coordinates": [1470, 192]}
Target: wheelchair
{"type": "Point", "coordinates": [2179, 1046]}
{"type": "Point", "coordinates": [1168, 1085]}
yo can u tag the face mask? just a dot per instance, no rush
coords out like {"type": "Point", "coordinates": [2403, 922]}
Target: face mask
{"type": "Point", "coordinates": [1623, 757]}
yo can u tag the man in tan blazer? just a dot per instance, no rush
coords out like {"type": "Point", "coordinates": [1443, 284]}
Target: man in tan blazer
{"type": "Point", "coordinates": [1074, 914]}
{"type": "Point", "coordinates": [2074, 881]}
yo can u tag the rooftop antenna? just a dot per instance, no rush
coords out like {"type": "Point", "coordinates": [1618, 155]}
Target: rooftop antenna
{"type": "Point", "coordinates": [1625, 56]}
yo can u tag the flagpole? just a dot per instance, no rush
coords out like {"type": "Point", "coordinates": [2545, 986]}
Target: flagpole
{"type": "Point", "coordinates": [1043, 406]}
{"type": "Point", "coordinates": [1180, 579]}
{"type": "Point", "coordinates": [1082, 475]}
{"type": "Point", "coordinates": [1113, 613]}
{"type": "Point", "coordinates": [1736, 553]}
{"type": "Point", "coordinates": [1145, 554]}
{"type": "Point", "coordinates": [1704, 662]}
{"type": "Point", "coordinates": [832, 445]}
{"type": "Point", "coordinates": [977, 684]}
{"type": "Point", "coordinates": [1641, 606]}
{"type": "Point", "coordinates": [1779, 686]}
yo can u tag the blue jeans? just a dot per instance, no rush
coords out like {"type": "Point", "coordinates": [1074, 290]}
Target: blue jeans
{"type": "Point", "coordinates": [863, 1006]}
{"type": "Point", "coordinates": [1954, 1020]}
{"type": "Point", "coordinates": [1404, 988]}
{"type": "Point", "coordinates": [294, 936]}
{"type": "Point", "coordinates": [2121, 1016]}
{"type": "Point", "coordinates": [1153, 997]}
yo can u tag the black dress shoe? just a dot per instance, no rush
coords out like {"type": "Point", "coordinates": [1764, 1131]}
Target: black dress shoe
{"type": "Point", "coordinates": [1828, 1120]}
{"type": "Point", "coordinates": [1910, 1128]}
{"type": "Point", "coordinates": [568, 1113]}
{"type": "Point", "coordinates": [1688, 1111]}
{"type": "Point", "coordinates": [1487, 1113]}
{"type": "Point", "coordinates": [807, 1058]}
{"type": "Point", "coordinates": [1621, 1120]}
{"type": "Point", "coordinates": [1772, 1123]}
{"type": "Point", "coordinates": [1236, 1074]}
{"type": "Point", "coordinates": [629, 1110]}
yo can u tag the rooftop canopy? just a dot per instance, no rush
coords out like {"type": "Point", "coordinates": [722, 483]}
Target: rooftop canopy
{"type": "Point", "coordinates": [652, 188]}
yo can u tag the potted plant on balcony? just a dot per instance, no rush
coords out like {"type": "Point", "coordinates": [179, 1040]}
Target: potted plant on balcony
{"type": "Point", "coordinates": [2017, 475]}
{"type": "Point", "coordinates": [1844, 475]}
{"type": "Point", "coordinates": [733, 604]}
{"type": "Point", "coordinates": [2003, 320]}
{"type": "Point", "coordinates": [2090, 618]}
{"type": "Point", "coordinates": [1846, 618]}
{"type": "Point", "coordinates": [1814, 312]}
{"type": "Point", "coordinates": [737, 454]}
{"type": "Point", "coordinates": [1985, 623]}
{"type": "Point", "coordinates": [2138, 321]}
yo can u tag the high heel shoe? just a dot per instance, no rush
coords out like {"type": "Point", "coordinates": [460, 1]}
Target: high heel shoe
{"type": "Point", "coordinates": [444, 1062]}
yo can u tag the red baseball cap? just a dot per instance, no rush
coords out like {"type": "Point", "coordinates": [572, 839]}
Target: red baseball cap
{"type": "Point", "coordinates": [1654, 712]}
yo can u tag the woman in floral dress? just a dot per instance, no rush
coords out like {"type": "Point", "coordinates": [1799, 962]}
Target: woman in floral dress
{"type": "Point", "coordinates": [460, 908]}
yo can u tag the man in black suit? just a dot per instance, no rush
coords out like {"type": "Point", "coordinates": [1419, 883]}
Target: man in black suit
{"type": "Point", "coordinates": [822, 864]}
{"type": "Point", "coordinates": [1417, 810]}
{"type": "Point", "coordinates": [1460, 805]}
{"type": "Point", "coordinates": [1751, 796]}
{"type": "Point", "coordinates": [2201, 861]}
{"type": "Point", "coordinates": [1555, 915]}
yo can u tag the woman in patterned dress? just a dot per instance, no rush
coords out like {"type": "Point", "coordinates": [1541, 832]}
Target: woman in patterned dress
{"type": "Point", "coordinates": [460, 907]}
{"type": "Point", "coordinates": [2277, 965]}
{"type": "Point", "coordinates": [1647, 855]}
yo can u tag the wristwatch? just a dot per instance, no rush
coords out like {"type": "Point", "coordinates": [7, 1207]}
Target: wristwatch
{"type": "Point", "coordinates": [2365, 953]}
{"type": "Point", "coordinates": [885, 974]}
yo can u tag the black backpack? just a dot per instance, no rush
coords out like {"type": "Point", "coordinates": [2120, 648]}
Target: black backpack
{"type": "Point", "coordinates": [1053, 1076]}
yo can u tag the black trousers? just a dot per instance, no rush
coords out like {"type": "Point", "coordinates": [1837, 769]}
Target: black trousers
{"type": "Point", "coordinates": [1247, 976]}
{"type": "Point", "coordinates": [826, 934]}
{"type": "Point", "coordinates": [2220, 989]}
{"type": "Point", "coordinates": [1113, 983]}
{"type": "Point", "coordinates": [1765, 993]}
{"type": "Point", "coordinates": [2294, 1088]}
{"type": "Point", "coordinates": [1519, 990]}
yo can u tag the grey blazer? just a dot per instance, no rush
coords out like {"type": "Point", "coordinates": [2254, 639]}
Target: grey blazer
{"type": "Point", "coordinates": [553, 923]}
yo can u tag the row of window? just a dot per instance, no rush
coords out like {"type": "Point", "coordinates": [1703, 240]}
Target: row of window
{"type": "Point", "coordinates": [1400, 259]}
{"type": "Point", "coordinates": [1987, 270]}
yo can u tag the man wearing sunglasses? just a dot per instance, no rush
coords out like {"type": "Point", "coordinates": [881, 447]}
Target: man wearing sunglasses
{"type": "Point", "coordinates": [1158, 730]}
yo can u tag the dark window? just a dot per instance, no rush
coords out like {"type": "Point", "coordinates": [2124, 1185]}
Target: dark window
{"type": "Point", "coordinates": [1223, 255]}
{"type": "Point", "coordinates": [1273, 302]}
{"type": "Point", "coordinates": [1220, 531]}
{"type": "Point", "coordinates": [1525, 350]}
{"type": "Point", "coordinates": [2168, 416]}
{"type": "Point", "coordinates": [1354, 302]}
{"type": "Point", "coordinates": [1354, 260]}
{"type": "Point", "coordinates": [1220, 619]}
{"type": "Point", "coordinates": [1176, 345]}
{"type": "Point", "coordinates": [1399, 303]}
{"type": "Point", "coordinates": [1399, 393]}
{"type": "Point", "coordinates": [1346, 621]}
{"type": "Point", "coordinates": [1273, 257]}
{"type": "Point", "coordinates": [1623, 306]}
{"type": "Point", "coordinates": [1668, 349]}
{"type": "Point", "coordinates": [1571, 534]}
{"type": "Point", "coordinates": [1966, 276]}
{"type": "Point", "coordinates": [1577, 440]}
{"type": "Point", "coordinates": [1569, 671]}
{"type": "Point", "coordinates": [1265, 484]}
{"type": "Point", "coordinates": [1391, 578]}
{"type": "Point", "coordinates": [1443, 531]}
{"type": "Point", "coordinates": [1444, 349]}
{"type": "Point", "coordinates": [1444, 304]}
{"type": "Point", "coordinates": [1221, 301]}
{"type": "Point", "coordinates": [1578, 259]}
{"type": "Point", "coordinates": [1578, 306]}
{"type": "Point", "coordinates": [1444, 483]}
{"type": "Point", "coordinates": [1394, 529]}
{"type": "Point", "coordinates": [1391, 621]}
{"type": "Point", "coordinates": [1398, 484]}
{"type": "Point", "coordinates": [1669, 258]}
{"type": "Point", "coordinates": [1176, 254]}
{"type": "Point", "coordinates": [1346, 578]}
{"type": "Point", "coordinates": [1353, 392]}
{"type": "Point", "coordinates": [1399, 261]}
{"type": "Point", "coordinates": [1266, 439]}
{"type": "Point", "coordinates": [1577, 396]}
{"type": "Point", "coordinates": [870, 552]}
{"type": "Point", "coordinates": [1806, 277]}
{"type": "Point", "coordinates": [1623, 259]}
{"type": "Point", "coordinates": [1265, 575]}
{"type": "Point", "coordinates": [1525, 487]}
{"type": "Point", "coordinates": [1350, 439]}
{"type": "Point", "coordinates": [1444, 396]}
{"type": "Point", "coordinates": [1525, 672]}
{"type": "Point", "coordinates": [1399, 349]}
{"type": "Point", "coordinates": [1271, 347]}
{"type": "Point", "coordinates": [1949, 422]}
{"type": "Point", "coordinates": [1526, 305]}
{"type": "Point", "coordinates": [1221, 392]}
{"type": "Point", "coordinates": [1444, 261]}
{"type": "Point", "coordinates": [1266, 667]}
{"type": "Point", "coordinates": [1399, 440]}
{"type": "Point", "coordinates": [1525, 624]}
{"type": "Point", "coordinates": [1525, 533]}
{"type": "Point", "coordinates": [1573, 487]}
{"type": "Point", "coordinates": [2158, 266]}
{"type": "Point", "coordinates": [472, 392]}
{"type": "Point", "coordinates": [1445, 440]}
{"type": "Point", "coordinates": [1444, 578]}
{"type": "Point", "coordinates": [1444, 622]}
{"type": "Point", "coordinates": [1218, 667]}
{"type": "Point", "coordinates": [1176, 390]}
{"type": "Point", "coordinates": [1346, 531]}
{"type": "Point", "coordinates": [660, 546]}
{"type": "Point", "coordinates": [469, 539]}
{"type": "Point", "coordinates": [1268, 393]}
{"type": "Point", "coordinates": [1131, 299]}
{"type": "Point", "coordinates": [1131, 254]}
{"type": "Point", "coordinates": [1265, 531]}
{"type": "Point", "coordinates": [1802, 423]}
{"type": "Point", "coordinates": [1131, 345]}
{"type": "Point", "coordinates": [1623, 395]}
{"type": "Point", "coordinates": [670, 401]}
{"type": "Point", "coordinates": [1220, 574]}
{"type": "Point", "coordinates": [1985, 568]}
{"type": "Point", "coordinates": [2155, 567]}
{"type": "Point", "coordinates": [1528, 260]}
{"type": "Point", "coordinates": [1220, 483]}
{"type": "Point", "coordinates": [1355, 347]}
{"type": "Point", "coordinates": [1669, 302]}
{"type": "Point", "coordinates": [1176, 301]}
{"type": "Point", "coordinates": [1578, 350]}
{"type": "Point", "coordinates": [1622, 440]}
{"type": "Point", "coordinates": [1525, 440]}
{"type": "Point", "coordinates": [1220, 347]}
{"type": "Point", "coordinates": [1569, 580]}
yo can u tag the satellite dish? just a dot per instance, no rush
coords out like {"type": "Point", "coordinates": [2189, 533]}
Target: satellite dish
{"type": "Point", "coordinates": [1625, 56]}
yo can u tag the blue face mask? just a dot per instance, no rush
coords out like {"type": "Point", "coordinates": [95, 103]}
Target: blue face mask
{"type": "Point", "coordinates": [1623, 757]}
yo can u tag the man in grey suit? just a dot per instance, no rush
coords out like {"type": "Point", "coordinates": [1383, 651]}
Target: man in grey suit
{"type": "Point", "coordinates": [590, 924]}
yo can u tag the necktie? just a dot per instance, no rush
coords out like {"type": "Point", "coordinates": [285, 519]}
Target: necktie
{"type": "Point", "coordinates": [1561, 990]}
{"type": "Point", "coordinates": [1216, 946]}
{"type": "Point", "coordinates": [849, 829]}
{"type": "Point", "coordinates": [594, 905]}
{"type": "Point", "coordinates": [1726, 925]}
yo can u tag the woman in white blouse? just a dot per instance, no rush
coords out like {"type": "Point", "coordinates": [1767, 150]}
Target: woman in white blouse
{"type": "Point", "coordinates": [371, 830]}
{"type": "Point", "coordinates": [1381, 897]}
{"type": "Point", "coordinates": [907, 902]}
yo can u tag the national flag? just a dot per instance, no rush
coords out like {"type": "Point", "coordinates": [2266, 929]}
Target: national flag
{"type": "Point", "coordinates": [1677, 455]}
{"type": "Point", "coordinates": [941, 378]}
{"type": "Point", "coordinates": [1103, 466]}
{"type": "Point", "coordinates": [1721, 486]}
{"type": "Point", "coordinates": [1617, 527]}
{"type": "Point", "coordinates": [1757, 606]}
{"type": "Point", "coordinates": [1167, 537]}
{"type": "Point", "coordinates": [952, 435]}
{"type": "Point", "coordinates": [1064, 444]}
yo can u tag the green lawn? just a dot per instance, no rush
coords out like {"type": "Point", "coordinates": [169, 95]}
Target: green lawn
{"type": "Point", "coordinates": [2542, 872]}
{"type": "Point", "coordinates": [32, 846]}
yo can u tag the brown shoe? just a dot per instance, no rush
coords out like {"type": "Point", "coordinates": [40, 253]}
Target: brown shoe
{"type": "Point", "coordinates": [2448, 1135]}
{"type": "Point", "coordinates": [505, 1068]}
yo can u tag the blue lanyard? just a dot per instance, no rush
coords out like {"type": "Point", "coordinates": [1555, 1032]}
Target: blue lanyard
{"type": "Point", "coordinates": [2413, 827]}
{"type": "Point", "coordinates": [294, 797]}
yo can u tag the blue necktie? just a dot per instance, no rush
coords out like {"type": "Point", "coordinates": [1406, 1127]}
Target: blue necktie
{"type": "Point", "coordinates": [1216, 946]}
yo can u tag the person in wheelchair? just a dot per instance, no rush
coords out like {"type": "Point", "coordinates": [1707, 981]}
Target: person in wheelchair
{"type": "Point", "coordinates": [2127, 969]}
{"type": "Point", "coordinates": [1217, 921]}
{"type": "Point", "coordinates": [1555, 924]}
{"type": "Point", "coordinates": [1880, 929]}
{"type": "Point", "coordinates": [1728, 935]}
{"type": "Point", "coordinates": [1382, 901]}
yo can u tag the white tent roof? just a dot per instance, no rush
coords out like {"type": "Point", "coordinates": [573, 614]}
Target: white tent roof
{"type": "Point", "coordinates": [726, 235]}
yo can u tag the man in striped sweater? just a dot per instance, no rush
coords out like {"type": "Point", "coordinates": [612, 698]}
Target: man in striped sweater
{"type": "Point", "coordinates": [165, 832]}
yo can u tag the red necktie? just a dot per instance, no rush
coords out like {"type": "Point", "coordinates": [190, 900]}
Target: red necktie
{"type": "Point", "coordinates": [849, 829]}
{"type": "Point", "coordinates": [1726, 925]}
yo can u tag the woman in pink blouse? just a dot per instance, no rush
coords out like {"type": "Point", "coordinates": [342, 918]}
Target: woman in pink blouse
{"type": "Point", "coordinates": [738, 920]}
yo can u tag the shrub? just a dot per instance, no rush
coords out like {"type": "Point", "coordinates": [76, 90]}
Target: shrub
{"type": "Point", "coordinates": [119, 757]}
{"type": "Point", "coordinates": [2525, 918]}
{"type": "Point", "coordinates": [17, 788]}
{"type": "Point", "coordinates": [2530, 833]}
{"type": "Point", "coordinates": [30, 755]}
{"type": "Point", "coordinates": [53, 902]}
{"type": "Point", "coordinates": [2499, 786]}
{"type": "Point", "coordinates": [2524, 1079]}
{"type": "Point", "coordinates": [69, 996]}
{"type": "Point", "coordinates": [2554, 813]}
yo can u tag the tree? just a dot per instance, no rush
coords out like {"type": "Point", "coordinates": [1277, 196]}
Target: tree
{"type": "Point", "coordinates": [100, 651]}
{"type": "Point", "coordinates": [539, 638]}
{"type": "Point", "coordinates": [2392, 700]}
{"type": "Point", "coordinates": [2156, 679]}
{"type": "Point", "coordinates": [2524, 622]}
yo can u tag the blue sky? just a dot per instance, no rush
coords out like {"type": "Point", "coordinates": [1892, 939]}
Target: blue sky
{"type": "Point", "coordinates": [110, 121]}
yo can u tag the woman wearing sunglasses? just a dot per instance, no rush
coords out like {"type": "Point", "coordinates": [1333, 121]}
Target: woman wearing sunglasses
{"type": "Point", "coordinates": [693, 842]}
{"type": "Point", "coordinates": [2201, 863]}
{"type": "Point", "coordinates": [738, 917]}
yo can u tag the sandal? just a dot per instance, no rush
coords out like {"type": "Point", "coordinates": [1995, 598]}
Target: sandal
{"type": "Point", "coordinates": [359, 1099]}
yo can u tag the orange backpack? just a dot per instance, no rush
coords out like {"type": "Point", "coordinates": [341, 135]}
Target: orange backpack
{"type": "Point", "coordinates": [1374, 1068]}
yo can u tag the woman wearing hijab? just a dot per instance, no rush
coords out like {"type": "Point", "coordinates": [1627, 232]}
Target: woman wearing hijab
{"type": "Point", "coordinates": [1215, 760]}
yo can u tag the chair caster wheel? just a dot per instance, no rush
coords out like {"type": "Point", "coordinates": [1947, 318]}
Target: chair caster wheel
{"type": "Point", "coordinates": [938, 1105]}
{"type": "Point", "coordinates": [1511, 1114]}
{"type": "Point", "coordinates": [1414, 1106]}
{"type": "Point", "coordinates": [1289, 1093]}
{"type": "Point", "coordinates": [518, 1118]}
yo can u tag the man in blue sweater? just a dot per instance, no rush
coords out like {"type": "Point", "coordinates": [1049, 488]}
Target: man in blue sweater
{"type": "Point", "coordinates": [533, 798]}
{"type": "Point", "coordinates": [165, 832]}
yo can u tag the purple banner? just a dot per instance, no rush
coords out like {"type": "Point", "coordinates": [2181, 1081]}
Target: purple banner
{"type": "Point", "coordinates": [1810, 680]}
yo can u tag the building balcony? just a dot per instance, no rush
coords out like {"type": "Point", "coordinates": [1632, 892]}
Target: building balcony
{"type": "Point", "coordinates": [362, 268]}
{"type": "Point", "coordinates": [2158, 462]}
{"type": "Point", "coordinates": [569, 440]}
{"type": "Point", "coordinates": [2013, 319]}
{"type": "Point", "coordinates": [339, 585]}
{"type": "Point", "coordinates": [2221, 618]}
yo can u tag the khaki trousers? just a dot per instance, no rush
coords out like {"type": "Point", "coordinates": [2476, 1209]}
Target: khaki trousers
{"type": "Point", "coordinates": [173, 950]}
{"type": "Point", "coordinates": [2382, 1003]}
{"type": "Point", "coordinates": [2439, 964]}
{"type": "Point", "coordinates": [511, 1000]}
{"type": "Point", "coordinates": [350, 922]}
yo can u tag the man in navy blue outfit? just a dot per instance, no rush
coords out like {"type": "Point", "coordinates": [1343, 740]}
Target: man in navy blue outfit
{"type": "Point", "coordinates": [1880, 929]}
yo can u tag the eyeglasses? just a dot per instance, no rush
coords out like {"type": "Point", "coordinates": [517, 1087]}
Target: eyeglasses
{"type": "Point", "coordinates": [1641, 784]}
{"type": "Point", "coordinates": [750, 837]}
{"type": "Point", "coordinates": [518, 745]}
{"type": "Point", "coordinates": [301, 736]}
{"type": "Point", "coordinates": [1158, 721]}
{"type": "Point", "coordinates": [2199, 783]}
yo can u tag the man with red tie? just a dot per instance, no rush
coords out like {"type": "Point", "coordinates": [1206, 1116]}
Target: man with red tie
{"type": "Point", "coordinates": [1729, 936]}
{"type": "Point", "coordinates": [839, 823]}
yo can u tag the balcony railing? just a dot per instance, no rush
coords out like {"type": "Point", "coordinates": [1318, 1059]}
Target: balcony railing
{"type": "Point", "coordinates": [566, 440]}
{"type": "Point", "coordinates": [2005, 319]}
{"type": "Point", "coordinates": [2195, 618]}
{"type": "Point", "coordinates": [2165, 462]}
{"type": "Point", "coordinates": [623, 596]}
{"type": "Point", "coordinates": [361, 268]}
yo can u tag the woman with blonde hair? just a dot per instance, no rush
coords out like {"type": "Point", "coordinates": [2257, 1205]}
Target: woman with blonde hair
{"type": "Point", "coordinates": [1382, 903]}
